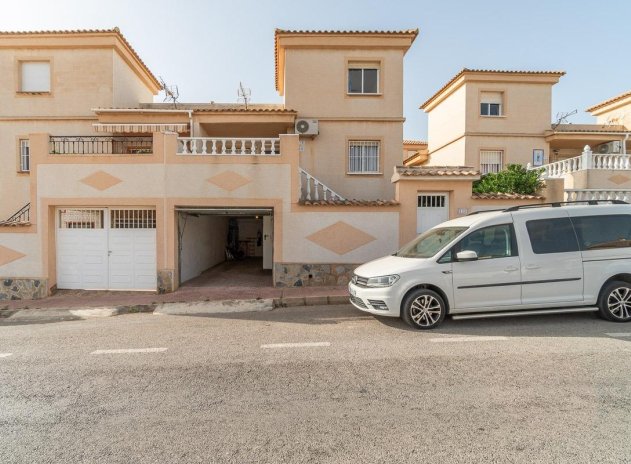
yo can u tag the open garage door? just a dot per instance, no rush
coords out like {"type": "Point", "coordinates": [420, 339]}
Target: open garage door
{"type": "Point", "coordinates": [106, 248]}
{"type": "Point", "coordinates": [228, 247]}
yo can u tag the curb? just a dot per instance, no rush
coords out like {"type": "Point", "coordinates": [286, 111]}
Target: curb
{"type": "Point", "coordinates": [197, 308]}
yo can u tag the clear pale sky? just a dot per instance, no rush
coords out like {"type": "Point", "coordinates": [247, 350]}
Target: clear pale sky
{"type": "Point", "coordinates": [207, 47]}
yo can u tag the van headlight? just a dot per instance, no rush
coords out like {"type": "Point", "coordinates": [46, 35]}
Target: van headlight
{"type": "Point", "coordinates": [382, 281]}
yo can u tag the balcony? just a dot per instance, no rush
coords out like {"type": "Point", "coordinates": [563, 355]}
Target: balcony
{"type": "Point", "coordinates": [218, 146]}
{"type": "Point", "coordinates": [100, 145]}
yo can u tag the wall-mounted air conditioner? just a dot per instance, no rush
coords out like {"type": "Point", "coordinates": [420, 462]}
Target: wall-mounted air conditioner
{"type": "Point", "coordinates": [307, 127]}
{"type": "Point", "coordinates": [609, 148]}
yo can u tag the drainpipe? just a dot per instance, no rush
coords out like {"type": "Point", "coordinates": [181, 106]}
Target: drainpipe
{"type": "Point", "coordinates": [624, 143]}
{"type": "Point", "coordinates": [190, 122]}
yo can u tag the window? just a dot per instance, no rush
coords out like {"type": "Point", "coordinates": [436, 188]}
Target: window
{"type": "Point", "coordinates": [490, 242]}
{"type": "Point", "coordinates": [431, 242]}
{"type": "Point", "coordinates": [35, 76]}
{"type": "Point", "coordinates": [363, 80]}
{"type": "Point", "coordinates": [363, 157]}
{"type": "Point", "coordinates": [603, 232]}
{"type": "Point", "coordinates": [25, 156]}
{"type": "Point", "coordinates": [491, 161]}
{"type": "Point", "coordinates": [431, 201]}
{"type": "Point", "coordinates": [552, 236]}
{"type": "Point", "coordinates": [491, 103]}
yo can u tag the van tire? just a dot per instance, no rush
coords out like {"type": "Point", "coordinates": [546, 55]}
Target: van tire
{"type": "Point", "coordinates": [423, 309]}
{"type": "Point", "coordinates": [614, 303]}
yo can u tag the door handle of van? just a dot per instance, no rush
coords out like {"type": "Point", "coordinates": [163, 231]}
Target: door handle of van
{"type": "Point", "coordinates": [511, 269]}
{"type": "Point", "coordinates": [532, 267]}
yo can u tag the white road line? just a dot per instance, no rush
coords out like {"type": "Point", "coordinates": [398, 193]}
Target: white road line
{"type": "Point", "coordinates": [5, 355]}
{"type": "Point", "coordinates": [295, 345]}
{"type": "Point", "coordinates": [467, 339]}
{"type": "Point", "coordinates": [619, 334]}
{"type": "Point", "coordinates": [130, 350]}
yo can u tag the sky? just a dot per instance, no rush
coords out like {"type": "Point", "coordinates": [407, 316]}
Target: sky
{"type": "Point", "coordinates": [208, 47]}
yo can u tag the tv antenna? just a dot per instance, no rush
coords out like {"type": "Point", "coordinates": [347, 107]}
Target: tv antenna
{"type": "Point", "coordinates": [171, 92]}
{"type": "Point", "coordinates": [614, 120]}
{"type": "Point", "coordinates": [243, 94]}
{"type": "Point", "coordinates": [562, 118]}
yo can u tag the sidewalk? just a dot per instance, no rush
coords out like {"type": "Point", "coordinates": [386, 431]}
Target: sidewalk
{"type": "Point", "coordinates": [187, 299]}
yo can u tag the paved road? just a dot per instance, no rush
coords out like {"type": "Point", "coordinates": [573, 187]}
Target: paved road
{"type": "Point", "coordinates": [315, 385]}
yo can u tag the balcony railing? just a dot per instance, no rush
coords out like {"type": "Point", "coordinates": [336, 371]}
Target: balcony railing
{"type": "Point", "coordinates": [311, 189]}
{"type": "Point", "coordinates": [228, 146]}
{"type": "Point", "coordinates": [598, 194]}
{"type": "Point", "coordinates": [22, 216]}
{"type": "Point", "coordinates": [587, 160]}
{"type": "Point", "coordinates": [100, 145]}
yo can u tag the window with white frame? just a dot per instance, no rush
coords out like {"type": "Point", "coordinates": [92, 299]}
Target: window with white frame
{"type": "Point", "coordinates": [363, 157]}
{"type": "Point", "coordinates": [491, 104]}
{"type": "Point", "coordinates": [363, 79]}
{"type": "Point", "coordinates": [25, 156]}
{"type": "Point", "coordinates": [35, 76]}
{"type": "Point", "coordinates": [491, 161]}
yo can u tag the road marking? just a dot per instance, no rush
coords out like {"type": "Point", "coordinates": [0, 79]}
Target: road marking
{"type": "Point", "coordinates": [130, 350]}
{"type": "Point", "coordinates": [467, 339]}
{"type": "Point", "coordinates": [295, 345]}
{"type": "Point", "coordinates": [620, 334]}
{"type": "Point", "coordinates": [5, 355]}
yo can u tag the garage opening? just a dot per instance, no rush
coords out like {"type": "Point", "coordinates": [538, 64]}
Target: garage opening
{"type": "Point", "coordinates": [225, 247]}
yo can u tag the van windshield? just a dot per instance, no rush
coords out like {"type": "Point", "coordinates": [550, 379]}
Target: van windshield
{"type": "Point", "coordinates": [431, 242]}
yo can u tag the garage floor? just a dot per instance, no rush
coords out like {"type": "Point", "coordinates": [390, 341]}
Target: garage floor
{"type": "Point", "coordinates": [248, 272]}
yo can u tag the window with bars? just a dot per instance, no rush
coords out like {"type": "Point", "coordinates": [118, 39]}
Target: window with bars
{"type": "Point", "coordinates": [363, 157]}
{"type": "Point", "coordinates": [491, 161]}
{"type": "Point", "coordinates": [133, 219]}
{"type": "Point", "coordinates": [25, 156]}
{"type": "Point", "coordinates": [363, 80]}
{"type": "Point", "coordinates": [431, 201]}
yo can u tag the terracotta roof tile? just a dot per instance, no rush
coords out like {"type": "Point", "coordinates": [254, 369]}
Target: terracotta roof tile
{"type": "Point", "coordinates": [607, 102]}
{"type": "Point", "coordinates": [487, 71]}
{"type": "Point", "coordinates": [114, 30]}
{"type": "Point", "coordinates": [505, 196]}
{"type": "Point", "coordinates": [588, 128]}
{"type": "Point", "coordinates": [277, 32]}
{"type": "Point", "coordinates": [420, 171]}
{"type": "Point", "coordinates": [348, 203]}
{"type": "Point", "coordinates": [414, 142]}
{"type": "Point", "coordinates": [211, 107]}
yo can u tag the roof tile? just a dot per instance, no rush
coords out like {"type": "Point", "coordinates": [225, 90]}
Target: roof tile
{"type": "Point", "coordinates": [421, 171]}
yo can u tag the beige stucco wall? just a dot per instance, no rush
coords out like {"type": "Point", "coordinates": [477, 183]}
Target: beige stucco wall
{"type": "Point", "coordinates": [203, 244]}
{"type": "Point", "coordinates": [617, 113]}
{"type": "Point", "coordinates": [316, 87]}
{"type": "Point", "coordinates": [517, 150]}
{"type": "Point", "coordinates": [446, 123]}
{"type": "Point", "coordinates": [609, 179]}
{"type": "Point", "coordinates": [453, 154]}
{"type": "Point", "coordinates": [127, 89]}
{"type": "Point", "coordinates": [28, 244]}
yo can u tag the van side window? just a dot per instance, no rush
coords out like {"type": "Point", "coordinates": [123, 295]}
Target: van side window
{"type": "Point", "coordinates": [555, 235]}
{"type": "Point", "coordinates": [490, 242]}
{"type": "Point", "coordinates": [602, 232]}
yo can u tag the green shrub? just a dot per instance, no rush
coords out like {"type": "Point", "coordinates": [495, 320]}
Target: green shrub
{"type": "Point", "coordinates": [514, 179]}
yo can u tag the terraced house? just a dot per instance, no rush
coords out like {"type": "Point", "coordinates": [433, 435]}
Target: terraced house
{"type": "Point", "coordinates": [104, 189]}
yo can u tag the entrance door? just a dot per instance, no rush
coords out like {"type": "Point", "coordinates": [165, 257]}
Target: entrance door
{"type": "Point", "coordinates": [432, 209]}
{"type": "Point", "coordinates": [106, 249]}
{"type": "Point", "coordinates": [268, 241]}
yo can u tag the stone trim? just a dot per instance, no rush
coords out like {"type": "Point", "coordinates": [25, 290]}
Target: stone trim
{"type": "Point", "coordinates": [22, 289]}
{"type": "Point", "coordinates": [312, 275]}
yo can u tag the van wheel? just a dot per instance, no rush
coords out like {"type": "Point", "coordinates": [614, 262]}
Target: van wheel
{"type": "Point", "coordinates": [615, 302]}
{"type": "Point", "coordinates": [423, 309]}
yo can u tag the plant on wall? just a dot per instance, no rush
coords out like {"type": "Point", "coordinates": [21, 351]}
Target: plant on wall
{"type": "Point", "coordinates": [514, 179]}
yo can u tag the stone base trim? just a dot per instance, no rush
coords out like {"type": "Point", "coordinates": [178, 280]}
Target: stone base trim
{"type": "Point", "coordinates": [312, 275]}
{"type": "Point", "coordinates": [22, 289]}
{"type": "Point", "coordinates": [166, 281]}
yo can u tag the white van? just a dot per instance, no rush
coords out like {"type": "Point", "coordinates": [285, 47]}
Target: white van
{"type": "Point", "coordinates": [536, 259]}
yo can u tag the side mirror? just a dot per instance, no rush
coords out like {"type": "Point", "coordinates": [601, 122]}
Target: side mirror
{"type": "Point", "coordinates": [467, 255]}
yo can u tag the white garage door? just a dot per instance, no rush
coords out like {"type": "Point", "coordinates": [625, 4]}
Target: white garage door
{"type": "Point", "coordinates": [432, 209]}
{"type": "Point", "coordinates": [103, 249]}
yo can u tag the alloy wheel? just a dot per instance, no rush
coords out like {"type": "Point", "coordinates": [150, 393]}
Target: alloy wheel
{"type": "Point", "coordinates": [619, 302]}
{"type": "Point", "coordinates": [425, 310]}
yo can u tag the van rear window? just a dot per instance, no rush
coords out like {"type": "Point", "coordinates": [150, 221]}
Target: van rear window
{"type": "Point", "coordinates": [602, 232]}
{"type": "Point", "coordinates": [555, 235]}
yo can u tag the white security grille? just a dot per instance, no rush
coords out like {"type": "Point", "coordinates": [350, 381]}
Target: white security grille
{"type": "Point", "coordinates": [81, 219]}
{"type": "Point", "coordinates": [363, 156]}
{"type": "Point", "coordinates": [133, 218]}
{"type": "Point", "coordinates": [431, 201]}
{"type": "Point", "coordinates": [25, 159]}
{"type": "Point", "coordinates": [491, 161]}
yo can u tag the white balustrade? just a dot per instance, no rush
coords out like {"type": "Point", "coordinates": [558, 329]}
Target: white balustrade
{"type": "Point", "coordinates": [587, 160]}
{"type": "Point", "coordinates": [313, 190]}
{"type": "Point", "coordinates": [228, 146]}
{"type": "Point", "coordinates": [598, 194]}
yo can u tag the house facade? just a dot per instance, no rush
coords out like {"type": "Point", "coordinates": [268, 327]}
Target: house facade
{"type": "Point", "coordinates": [113, 191]}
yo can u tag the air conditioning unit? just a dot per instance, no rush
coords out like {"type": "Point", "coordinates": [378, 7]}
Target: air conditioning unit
{"type": "Point", "coordinates": [609, 148]}
{"type": "Point", "coordinates": [307, 127]}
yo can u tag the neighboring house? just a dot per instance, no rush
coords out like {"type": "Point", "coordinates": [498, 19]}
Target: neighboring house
{"type": "Point", "coordinates": [415, 152]}
{"type": "Point", "coordinates": [112, 191]}
{"type": "Point", "coordinates": [489, 119]}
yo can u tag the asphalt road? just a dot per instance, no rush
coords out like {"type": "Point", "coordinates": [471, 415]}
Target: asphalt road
{"type": "Point", "coordinates": [315, 385]}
